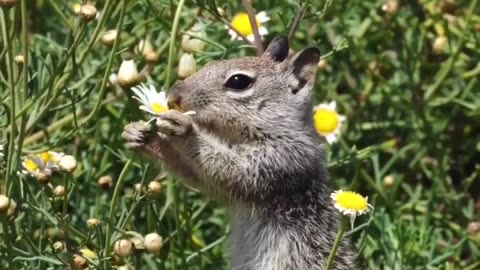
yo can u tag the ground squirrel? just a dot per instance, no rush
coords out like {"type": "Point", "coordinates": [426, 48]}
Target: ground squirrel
{"type": "Point", "coordinates": [252, 143]}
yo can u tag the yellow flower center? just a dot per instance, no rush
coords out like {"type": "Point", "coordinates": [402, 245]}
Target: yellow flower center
{"type": "Point", "coordinates": [88, 253]}
{"type": "Point", "coordinates": [46, 157]}
{"type": "Point", "coordinates": [326, 121]}
{"type": "Point", "coordinates": [31, 165]}
{"type": "Point", "coordinates": [241, 23]}
{"type": "Point", "coordinates": [159, 108]}
{"type": "Point", "coordinates": [352, 201]}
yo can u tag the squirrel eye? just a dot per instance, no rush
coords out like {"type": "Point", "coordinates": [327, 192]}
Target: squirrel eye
{"type": "Point", "coordinates": [239, 82]}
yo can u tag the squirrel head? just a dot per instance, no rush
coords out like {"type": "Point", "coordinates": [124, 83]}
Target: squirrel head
{"type": "Point", "coordinates": [250, 97]}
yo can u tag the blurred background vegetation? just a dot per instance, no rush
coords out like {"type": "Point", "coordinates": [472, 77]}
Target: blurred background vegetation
{"type": "Point", "coordinates": [404, 73]}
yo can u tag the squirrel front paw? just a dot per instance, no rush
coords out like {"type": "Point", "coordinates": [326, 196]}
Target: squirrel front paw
{"type": "Point", "coordinates": [174, 124]}
{"type": "Point", "coordinates": [137, 135]}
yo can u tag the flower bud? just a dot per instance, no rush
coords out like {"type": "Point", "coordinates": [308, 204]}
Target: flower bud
{"type": "Point", "coordinates": [93, 223]}
{"type": "Point", "coordinates": [7, 205]}
{"type": "Point", "coordinates": [108, 38]}
{"type": "Point", "coordinates": [7, 3]}
{"type": "Point", "coordinates": [68, 163]}
{"type": "Point", "coordinates": [78, 262]}
{"type": "Point", "coordinates": [19, 59]}
{"type": "Point", "coordinates": [322, 64]}
{"type": "Point", "coordinates": [138, 188]}
{"type": "Point", "coordinates": [58, 247]}
{"type": "Point", "coordinates": [388, 181]}
{"type": "Point", "coordinates": [153, 242]}
{"type": "Point", "coordinates": [221, 11]}
{"type": "Point", "coordinates": [127, 74]}
{"type": "Point", "coordinates": [187, 66]}
{"type": "Point", "coordinates": [155, 187]}
{"type": "Point", "coordinates": [440, 45]}
{"type": "Point", "coordinates": [42, 178]}
{"type": "Point", "coordinates": [192, 44]}
{"type": "Point", "coordinates": [145, 48]}
{"type": "Point", "coordinates": [123, 248]}
{"type": "Point", "coordinates": [88, 12]}
{"type": "Point", "coordinates": [59, 191]}
{"type": "Point", "coordinates": [391, 6]}
{"type": "Point", "coordinates": [105, 182]}
{"type": "Point", "coordinates": [473, 227]}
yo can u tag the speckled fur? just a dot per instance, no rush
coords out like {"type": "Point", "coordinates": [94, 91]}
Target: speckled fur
{"type": "Point", "coordinates": [258, 151]}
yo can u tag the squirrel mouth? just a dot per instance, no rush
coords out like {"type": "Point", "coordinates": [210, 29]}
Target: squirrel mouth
{"type": "Point", "coordinates": [175, 105]}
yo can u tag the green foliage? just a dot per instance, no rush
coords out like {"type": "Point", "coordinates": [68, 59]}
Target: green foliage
{"type": "Point", "coordinates": [405, 77]}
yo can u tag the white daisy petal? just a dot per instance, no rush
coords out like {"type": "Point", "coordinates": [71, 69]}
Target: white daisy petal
{"type": "Point", "coordinates": [262, 17]}
{"type": "Point", "coordinates": [262, 31]}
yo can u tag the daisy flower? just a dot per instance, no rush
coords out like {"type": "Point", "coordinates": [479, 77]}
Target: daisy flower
{"type": "Point", "coordinates": [327, 121]}
{"type": "Point", "coordinates": [241, 23]}
{"type": "Point", "coordinates": [152, 101]}
{"type": "Point", "coordinates": [42, 165]}
{"type": "Point", "coordinates": [350, 204]}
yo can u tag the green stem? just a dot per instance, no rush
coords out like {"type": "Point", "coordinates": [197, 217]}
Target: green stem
{"type": "Point", "coordinates": [171, 48]}
{"type": "Point", "coordinates": [113, 206]}
{"type": "Point", "coordinates": [109, 65]}
{"type": "Point", "coordinates": [11, 79]}
{"type": "Point", "coordinates": [23, 95]}
{"type": "Point", "coordinates": [336, 244]}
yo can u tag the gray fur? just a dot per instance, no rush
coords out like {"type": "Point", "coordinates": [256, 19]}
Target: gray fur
{"type": "Point", "coordinates": [258, 151]}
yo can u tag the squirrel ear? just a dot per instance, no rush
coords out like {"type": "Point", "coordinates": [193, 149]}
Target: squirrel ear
{"type": "Point", "coordinates": [277, 50]}
{"type": "Point", "coordinates": [303, 66]}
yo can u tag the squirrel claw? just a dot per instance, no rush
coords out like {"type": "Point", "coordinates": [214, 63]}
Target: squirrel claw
{"type": "Point", "coordinates": [137, 135]}
{"type": "Point", "coordinates": [174, 124]}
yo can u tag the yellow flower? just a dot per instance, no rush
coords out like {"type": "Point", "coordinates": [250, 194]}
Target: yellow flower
{"type": "Point", "coordinates": [152, 102]}
{"type": "Point", "coordinates": [241, 23]}
{"type": "Point", "coordinates": [327, 121]}
{"type": "Point", "coordinates": [43, 164]}
{"type": "Point", "coordinates": [350, 204]}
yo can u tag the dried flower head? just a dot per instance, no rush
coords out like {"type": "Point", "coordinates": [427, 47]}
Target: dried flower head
{"type": "Point", "coordinates": [327, 121]}
{"type": "Point", "coordinates": [153, 242]}
{"type": "Point", "coordinates": [187, 66]}
{"type": "Point", "coordinates": [123, 248]}
{"type": "Point", "coordinates": [350, 204]}
{"type": "Point", "coordinates": [241, 23]}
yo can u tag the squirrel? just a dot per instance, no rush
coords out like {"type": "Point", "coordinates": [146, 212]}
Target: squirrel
{"type": "Point", "coordinates": [252, 144]}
